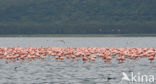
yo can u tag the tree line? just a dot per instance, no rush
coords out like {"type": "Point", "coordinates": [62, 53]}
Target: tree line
{"type": "Point", "coordinates": [77, 16]}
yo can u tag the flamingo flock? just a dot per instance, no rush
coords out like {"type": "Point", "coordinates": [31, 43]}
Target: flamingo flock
{"type": "Point", "coordinates": [85, 54]}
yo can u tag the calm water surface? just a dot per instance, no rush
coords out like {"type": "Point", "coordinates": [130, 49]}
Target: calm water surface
{"type": "Point", "coordinates": [50, 71]}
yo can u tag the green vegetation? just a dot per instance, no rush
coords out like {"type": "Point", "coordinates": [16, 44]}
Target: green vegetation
{"type": "Point", "coordinates": [77, 17]}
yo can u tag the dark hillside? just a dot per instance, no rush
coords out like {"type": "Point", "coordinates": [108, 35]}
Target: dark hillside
{"type": "Point", "coordinates": [77, 16]}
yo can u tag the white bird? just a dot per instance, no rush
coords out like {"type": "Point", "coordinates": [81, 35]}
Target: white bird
{"type": "Point", "coordinates": [125, 77]}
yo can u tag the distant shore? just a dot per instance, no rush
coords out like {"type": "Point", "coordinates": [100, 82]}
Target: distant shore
{"type": "Point", "coordinates": [81, 35]}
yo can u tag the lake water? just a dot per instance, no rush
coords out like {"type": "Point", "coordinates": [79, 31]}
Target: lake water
{"type": "Point", "coordinates": [51, 71]}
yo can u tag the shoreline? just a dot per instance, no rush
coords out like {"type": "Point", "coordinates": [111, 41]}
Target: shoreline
{"type": "Point", "coordinates": [80, 35]}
